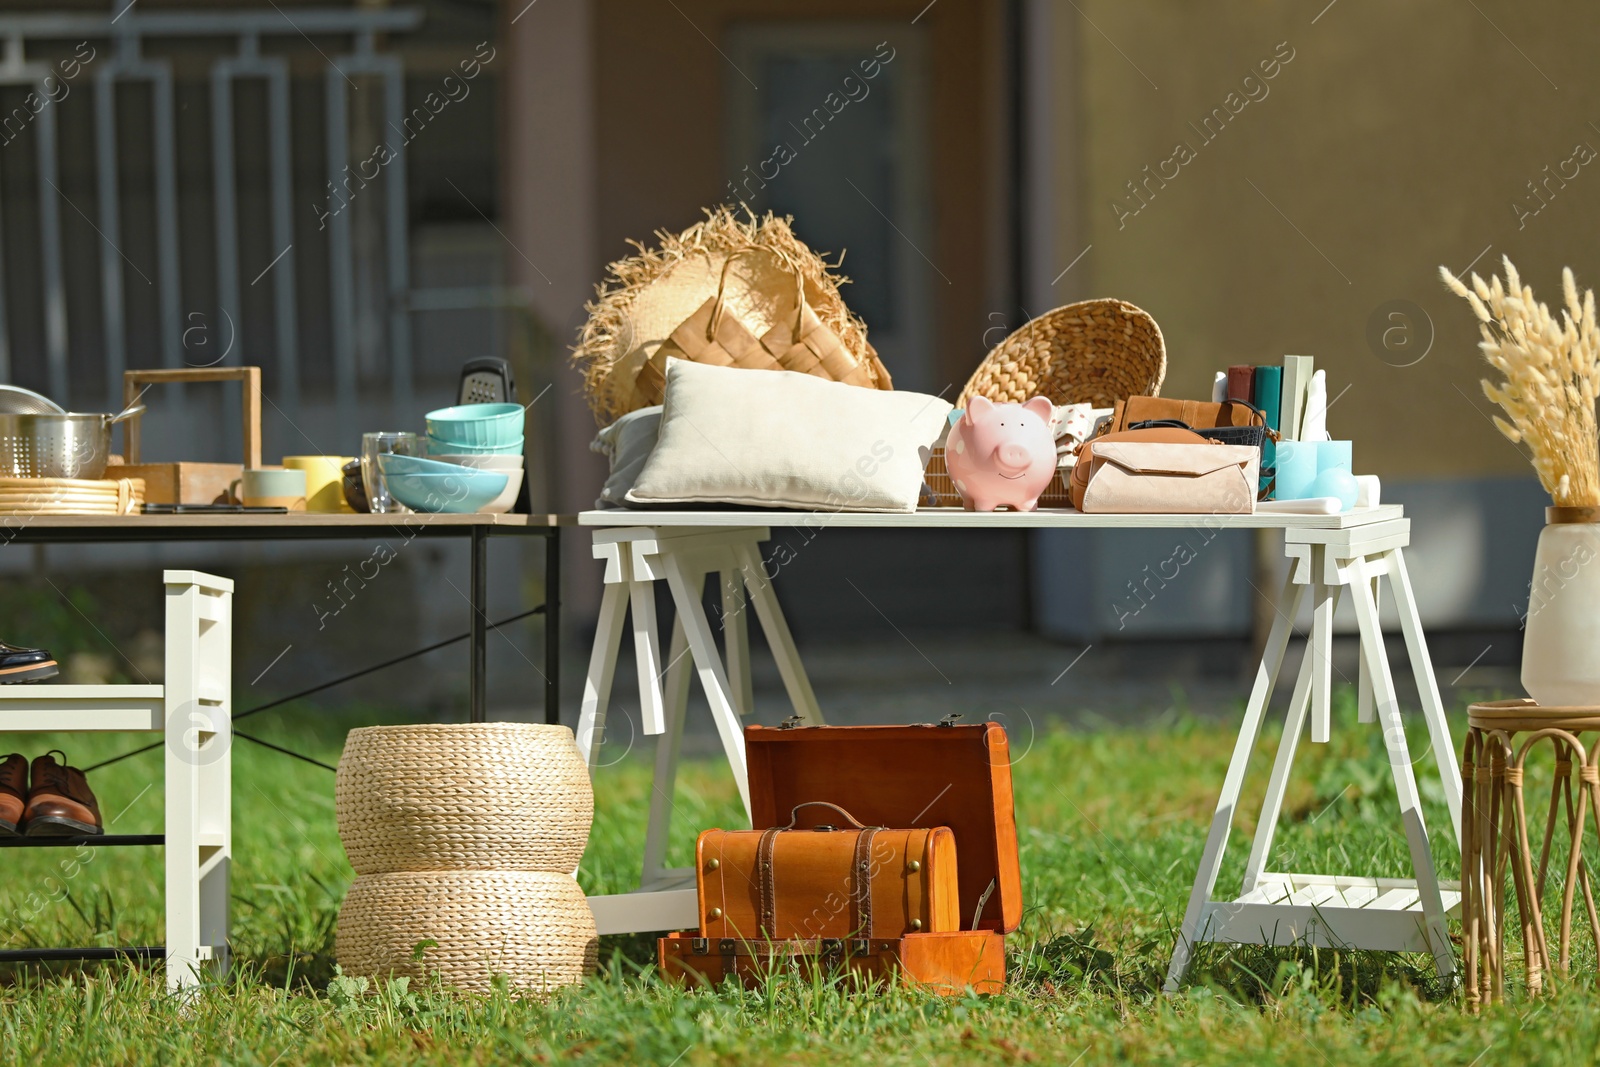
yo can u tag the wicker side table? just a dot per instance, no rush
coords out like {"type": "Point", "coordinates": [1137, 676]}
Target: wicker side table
{"type": "Point", "coordinates": [1494, 837]}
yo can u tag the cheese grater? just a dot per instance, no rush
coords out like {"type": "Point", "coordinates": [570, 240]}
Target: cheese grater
{"type": "Point", "coordinates": [487, 381]}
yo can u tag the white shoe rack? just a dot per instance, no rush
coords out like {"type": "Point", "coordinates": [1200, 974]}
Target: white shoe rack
{"type": "Point", "coordinates": [193, 710]}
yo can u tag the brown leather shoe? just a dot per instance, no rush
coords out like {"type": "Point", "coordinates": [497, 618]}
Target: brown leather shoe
{"type": "Point", "coordinates": [13, 792]}
{"type": "Point", "coordinates": [60, 802]}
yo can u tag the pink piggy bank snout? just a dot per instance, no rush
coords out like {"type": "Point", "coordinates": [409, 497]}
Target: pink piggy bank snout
{"type": "Point", "coordinates": [1013, 456]}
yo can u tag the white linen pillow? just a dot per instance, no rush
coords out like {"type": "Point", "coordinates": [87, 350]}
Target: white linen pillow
{"type": "Point", "coordinates": [781, 439]}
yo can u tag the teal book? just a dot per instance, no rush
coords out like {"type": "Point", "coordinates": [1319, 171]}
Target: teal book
{"type": "Point", "coordinates": [1269, 392]}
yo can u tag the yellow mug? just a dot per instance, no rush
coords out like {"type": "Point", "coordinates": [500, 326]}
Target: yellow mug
{"type": "Point", "coordinates": [324, 481]}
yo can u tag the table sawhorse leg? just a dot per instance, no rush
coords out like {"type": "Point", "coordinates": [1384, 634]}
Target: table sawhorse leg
{"type": "Point", "coordinates": [637, 558]}
{"type": "Point", "coordinates": [1332, 911]}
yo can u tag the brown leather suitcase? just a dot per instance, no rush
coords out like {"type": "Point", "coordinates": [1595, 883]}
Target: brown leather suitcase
{"type": "Point", "coordinates": [835, 880]}
{"type": "Point", "coordinates": [899, 776]}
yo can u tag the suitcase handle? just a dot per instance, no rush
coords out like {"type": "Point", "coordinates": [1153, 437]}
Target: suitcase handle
{"type": "Point", "coordinates": [860, 868]}
{"type": "Point", "coordinates": [794, 814]}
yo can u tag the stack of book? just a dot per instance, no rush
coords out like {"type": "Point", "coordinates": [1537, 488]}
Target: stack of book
{"type": "Point", "coordinates": [1280, 392]}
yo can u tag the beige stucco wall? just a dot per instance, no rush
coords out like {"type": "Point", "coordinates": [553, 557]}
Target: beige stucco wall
{"type": "Point", "coordinates": [1396, 139]}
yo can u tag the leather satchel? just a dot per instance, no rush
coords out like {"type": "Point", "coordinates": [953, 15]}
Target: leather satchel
{"type": "Point", "coordinates": [1160, 478]}
{"type": "Point", "coordinates": [832, 881]}
{"type": "Point", "coordinates": [1195, 414]}
{"type": "Point", "coordinates": [1081, 470]}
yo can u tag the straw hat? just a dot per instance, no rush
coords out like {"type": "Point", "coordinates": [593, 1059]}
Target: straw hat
{"type": "Point", "coordinates": [1092, 352]}
{"type": "Point", "coordinates": [754, 263]}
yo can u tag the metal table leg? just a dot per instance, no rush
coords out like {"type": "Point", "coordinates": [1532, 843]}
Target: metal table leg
{"type": "Point", "coordinates": [552, 626]}
{"type": "Point", "coordinates": [477, 643]}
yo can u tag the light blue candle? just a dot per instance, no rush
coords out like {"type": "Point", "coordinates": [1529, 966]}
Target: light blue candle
{"type": "Point", "coordinates": [1333, 454]}
{"type": "Point", "coordinates": [1297, 469]}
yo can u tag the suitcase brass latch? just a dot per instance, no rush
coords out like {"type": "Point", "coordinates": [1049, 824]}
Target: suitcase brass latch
{"type": "Point", "coordinates": [861, 947]}
{"type": "Point", "coordinates": [950, 720]}
{"type": "Point", "coordinates": [699, 945]}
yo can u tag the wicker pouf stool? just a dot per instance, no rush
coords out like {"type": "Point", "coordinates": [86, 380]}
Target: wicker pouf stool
{"type": "Point", "coordinates": [466, 835]}
{"type": "Point", "coordinates": [1494, 837]}
{"type": "Point", "coordinates": [533, 927]}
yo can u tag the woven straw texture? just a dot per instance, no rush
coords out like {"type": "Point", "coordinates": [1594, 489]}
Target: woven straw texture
{"type": "Point", "coordinates": [534, 928]}
{"type": "Point", "coordinates": [647, 298]}
{"type": "Point", "coordinates": [70, 496]}
{"type": "Point", "coordinates": [489, 797]}
{"type": "Point", "coordinates": [1093, 352]}
{"type": "Point", "coordinates": [941, 488]}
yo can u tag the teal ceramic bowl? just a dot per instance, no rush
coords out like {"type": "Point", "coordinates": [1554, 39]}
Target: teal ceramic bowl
{"type": "Point", "coordinates": [392, 463]}
{"type": "Point", "coordinates": [438, 447]}
{"type": "Point", "coordinates": [451, 494]}
{"type": "Point", "coordinates": [478, 425]}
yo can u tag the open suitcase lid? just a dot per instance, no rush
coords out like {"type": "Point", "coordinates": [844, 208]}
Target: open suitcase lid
{"type": "Point", "coordinates": [903, 777]}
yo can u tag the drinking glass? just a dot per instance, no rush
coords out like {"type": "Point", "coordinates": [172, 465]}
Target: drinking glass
{"type": "Point", "coordinates": [373, 445]}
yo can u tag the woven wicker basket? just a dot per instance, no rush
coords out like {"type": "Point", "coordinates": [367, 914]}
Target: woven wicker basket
{"type": "Point", "coordinates": [941, 488]}
{"type": "Point", "coordinates": [533, 927]}
{"type": "Point", "coordinates": [1093, 352]}
{"type": "Point", "coordinates": [70, 496]}
{"type": "Point", "coordinates": [489, 797]}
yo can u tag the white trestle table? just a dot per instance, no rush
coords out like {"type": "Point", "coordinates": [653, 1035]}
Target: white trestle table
{"type": "Point", "coordinates": [1330, 557]}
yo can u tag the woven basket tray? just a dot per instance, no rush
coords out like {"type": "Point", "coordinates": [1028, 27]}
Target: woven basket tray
{"type": "Point", "coordinates": [941, 489]}
{"type": "Point", "coordinates": [534, 928]}
{"type": "Point", "coordinates": [490, 796]}
{"type": "Point", "coordinates": [1093, 352]}
{"type": "Point", "coordinates": [71, 496]}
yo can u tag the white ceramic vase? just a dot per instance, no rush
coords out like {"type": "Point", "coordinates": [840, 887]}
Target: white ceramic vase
{"type": "Point", "coordinates": [1561, 641]}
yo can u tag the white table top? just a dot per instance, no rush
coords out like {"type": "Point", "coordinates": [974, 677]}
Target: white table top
{"type": "Point", "coordinates": [945, 518]}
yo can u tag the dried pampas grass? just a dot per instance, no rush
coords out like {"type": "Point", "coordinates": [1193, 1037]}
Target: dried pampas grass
{"type": "Point", "coordinates": [1552, 376]}
{"type": "Point", "coordinates": [645, 297]}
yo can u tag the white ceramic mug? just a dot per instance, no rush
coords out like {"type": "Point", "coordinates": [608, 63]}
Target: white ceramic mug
{"type": "Point", "coordinates": [271, 487]}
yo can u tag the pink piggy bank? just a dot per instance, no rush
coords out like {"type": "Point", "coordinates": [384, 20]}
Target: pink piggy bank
{"type": "Point", "coordinates": [1002, 454]}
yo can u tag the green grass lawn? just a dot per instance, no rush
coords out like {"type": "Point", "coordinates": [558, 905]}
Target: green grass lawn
{"type": "Point", "coordinates": [1111, 823]}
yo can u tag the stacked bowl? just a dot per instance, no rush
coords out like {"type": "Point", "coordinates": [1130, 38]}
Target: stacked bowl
{"type": "Point", "coordinates": [474, 462]}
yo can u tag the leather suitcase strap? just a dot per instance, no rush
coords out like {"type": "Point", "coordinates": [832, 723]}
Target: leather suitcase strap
{"type": "Point", "coordinates": [764, 881]}
{"type": "Point", "coordinates": [915, 885]}
{"type": "Point", "coordinates": [861, 881]}
{"type": "Point", "coordinates": [860, 871]}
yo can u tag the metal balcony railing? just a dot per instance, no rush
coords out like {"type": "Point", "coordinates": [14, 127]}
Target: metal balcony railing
{"type": "Point", "coordinates": [112, 53]}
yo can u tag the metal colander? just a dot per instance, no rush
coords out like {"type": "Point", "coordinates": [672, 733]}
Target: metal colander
{"type": "Point", "coordinates": [57, 446]}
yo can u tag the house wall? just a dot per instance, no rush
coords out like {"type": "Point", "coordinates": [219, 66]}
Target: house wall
{"type": "Point", "coordinates": [1397, 138]}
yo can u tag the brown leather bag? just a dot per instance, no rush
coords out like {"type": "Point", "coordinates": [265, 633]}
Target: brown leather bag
{"type": "Point", "coordinates": [1085, 467]}
{"type": "Point", "coordinates": [837, 880]}
{"type": "Point", "coordinates": [1196, 414]}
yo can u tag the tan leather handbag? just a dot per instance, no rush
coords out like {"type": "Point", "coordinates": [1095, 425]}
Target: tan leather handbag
{"type": "Point", "coordinates": [1196, 414]}
{"type": "Point", "coordinates": [1079, 480]}
{"type": "Point", "coordinates": [1162, 478]}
